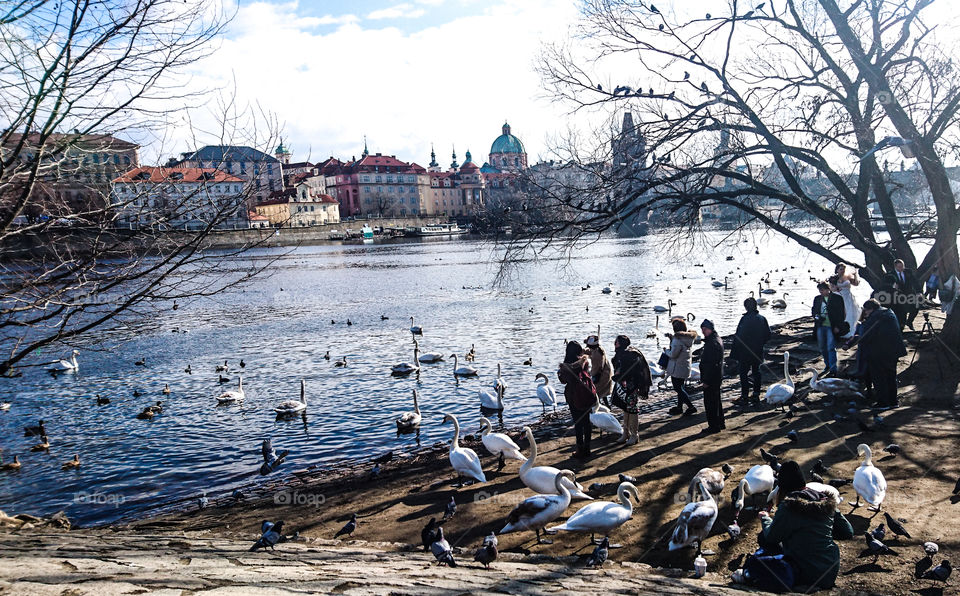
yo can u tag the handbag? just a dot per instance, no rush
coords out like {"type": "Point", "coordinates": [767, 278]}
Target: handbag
{"type": "Point", "coordinates": [664, 360]}
{"type": "Point", "coordinates": [619, 396]}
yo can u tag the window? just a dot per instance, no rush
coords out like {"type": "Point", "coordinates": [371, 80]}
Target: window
{"type": "Point", "coordinates": [270, 169]}
{"type": "Point", "coordinates": [379, 179]}
{"type": "Point", "coordinates": [365, 179]}
{"type": "Point", "coordinates": [126, 160]}
{"type": "Point", "coordinates": [243, 167]}
{"type": "Point", "coordinates": [390, 178]}
{"type": "Point", "coordinates": [390, 189]}
{"type": "Point", "coordinates": [367, 200]}
{"type": "Point", "coordinates": [380, 189]}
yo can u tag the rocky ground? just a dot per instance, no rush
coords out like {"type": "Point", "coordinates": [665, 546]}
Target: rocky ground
{"type": "Point", "coordinates": [205, 550]}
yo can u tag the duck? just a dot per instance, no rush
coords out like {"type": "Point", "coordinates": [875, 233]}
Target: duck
{"type": "Point", "coordinates": [292, 407]}
{"type": "Point", "coordinates": [758, 479]}
{"type": "Point", "coordinates": [72, 464]}
{"type": "Point", "coordinates": [491, 400]}
{"type": "Point", "coordinates": [695, 522]}
{"type": "Point", "coordinates": [780, 393]}
{"type": "Point", "coordinates": [540, 478]}
{"type": "Point", "coordinates": [499, 444]}
{"type": "Point", "coordinates": [4, 406]}
{"type": "Point", "coordinates": [868, 480]}
{"type": "Point", "coordinates": [156, 409]}
{"type": "Point", "coordinates": [780, 303]}
{"type": "Point", "coordinates": [712, 479]}
{"type": "Point", "coordinates": [545, 393]}
{"type": "Point", "coordinates": [166, 389]}
{"type": "Point", "coordinates": [405, 368]}
{"type": "Point", "coordinates": [472, 354]}
{"type": "Point", "coordinates": [410, 420]}
{"type": "Point", "coordinates": [464, 460]}
{"type": "Point", "coordinates": [342, 363]}
{"type": "Point", "coordinates": [11, 466]}
{"type": "Point", "coordinates": [141, 362]}
{"type": "Point", "coordinates": [220, 379]}
{"type": "Point", "coordinates": [35, 431]}
{"type": "Point", "coordinates": [66, 366]}
{"type": "Point", "coordinates": [146, 414]}
{"type": "Point", "coordinates": [602, 516]}
{"type": "Point", "coordinates": [668, 308]}
{"type": "Point", "coordinates": [534, 513]}
{"type": "Point", "coordinates": [499, 383]}
{"type": "Point", "coordinates": [44, 445]}
{"type": "Point", "coordinates": [462, 371]}
{"type": "Point", "coordinates": [233, 397]}
{"type": "Point", "coordinates": [415, 329]}
{"type": "Point", "coordinates": [844, 387]}
{"type": "Point", "coordinates": [188, 370]}
{"type": "Point", "coordinates": [602, 418]}
{"type": "Point", "coordinates": [222, 367]}
{"type": "Point", "coordinates": [327, 355]}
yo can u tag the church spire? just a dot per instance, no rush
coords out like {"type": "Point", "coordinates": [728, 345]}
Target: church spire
{"type": "Point", "coordinates": [433, 157]}
{"type": "Point", "coordinates": [366, 151]}
{"type": "Point", "coordinates": [454, 165]}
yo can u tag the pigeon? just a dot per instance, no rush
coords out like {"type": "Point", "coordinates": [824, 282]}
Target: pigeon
{"type": "Point", "coordinates": [203, 501]}
{"type": "Point", "coordinates": [793, 436]}
{"type": "Point", "coordinates": [238, 495]}
{"type": "Point", "coordinates": [895, 526]}
{"type": "Point", "coordinates": [451, 509]}
{"type": "Point", "coordinates": [875, 546]}
{"type": "Point", "coordinates": [599, 555]}
{"type": "Point", "coordinates": [349, 528]}
{"type": "Point", "coordinates": [271, 459]}
{"type": "Point", "coordinates": [771, 459]}
{"type": "Point", "coordinates": [375, 472]}
{"type": "Point", "coordinates": [733, 530]}
{"type": "Point", "coordinates": [940, 572]}
{"type": "Point", "coordinates": [921, 566]}
{"type": "Point", "coordinates": [270, 535]}
{"type": "Point", "coordinates": [892, 449]}
{"type": "Point", "coordinates": [838, 482]}
{"type": "Point", "coordinates": [487, 553]}
{"type": "Point", "coordinates": [819, 468]}
{"type": "Point", "coordinates": [626, 478]}
{"type": "Point", "coordinates": [956, 487]}
{"type": "Point", "coordinates": [727, 469]}
{"type": "Point", "coordinates": [428, 535]}
{"type": "Point", "coordinates": [816, 477]}
{"type": "Point", "coordinates": [931, 548]}
{"type": "Point", "coordinates": [441, 550]}
{"type": "Point", "coordinates": [879, 532]}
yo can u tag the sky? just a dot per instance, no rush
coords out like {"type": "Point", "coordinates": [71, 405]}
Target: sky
{"type": "Point", "coordinates": [404, 74]}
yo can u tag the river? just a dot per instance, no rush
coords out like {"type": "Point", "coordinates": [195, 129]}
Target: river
{"type": "Point", "coordinates": [281, 325]}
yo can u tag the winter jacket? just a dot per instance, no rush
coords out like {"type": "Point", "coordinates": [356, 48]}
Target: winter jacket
{"type": "Point", "coordinates": [836, 312]}
{"type": "Point", "coordinates": [711, 361]}
{"type": "Point", "coordinates": [601, 370]}
{"type": "Point", "coordinates": [631, 367]}
{"type": "Point", "coordinates": [806, 530]}
{"type": "Point", "coordinates": [753, 332]}
{"type": "Point", "coordinates": [880, 338]}
{"type": "Point", "coordinates": [578, 392]}
{"type": "Point", "coordinates": [680, 354]}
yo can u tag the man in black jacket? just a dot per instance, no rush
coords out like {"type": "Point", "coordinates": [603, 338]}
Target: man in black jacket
{"type": "Point", "coordinates": [753, 333]}
{"type": "Point", "coordinates": [906, 298]}
{"type": "Point", "coordinates": [880, 334]}
{"type": "Point", "coordinates": [711, 377]}
{"type": "Point", "coordinates": [631, 374]}
{"type": "Point", "coordinates": [829, 316]}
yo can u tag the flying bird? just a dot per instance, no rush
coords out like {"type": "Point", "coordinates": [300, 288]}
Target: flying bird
{"type": "Point", "coordinates": [271, 459]}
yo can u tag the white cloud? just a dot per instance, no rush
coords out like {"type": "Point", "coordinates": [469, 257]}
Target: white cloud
{"type": "Point", "coordinates": [399, 11]}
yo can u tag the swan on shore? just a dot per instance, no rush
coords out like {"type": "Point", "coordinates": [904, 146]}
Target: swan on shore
{"type": "Point", "coordinates": [540, 478]}
{"type": "Point", "coordinates": [602, 418]}
{"type": "Point", "coordinates": [410, 420]}
{"type": "Point", "coordinates": [844, 387]}
{"type": "Point", "coordinates": [499, 444]}
{"type": "Point", "coordinates": [712, 479]}
{"type": "Point", "coordinates": [62, 366]}
{"type": "Point", "coordinates": [464, 460]}
{"type": "Point", "coordinates": [462, 371]}
{"type": "Point", "coordinates": [780, 393]}
{"type": "Point", "coordinates": [695, 522]}
{"type": "Point", "coordinates": [292, 407]}
{"type": "Point", "coordinates": [868, 480]}
{"type": "Point", "coordinates": [233, 396]}
{"type": "Point", "coordinates": [535, 512]}
{"type": "Point", "coordinates": [758, 479]}
{"type": "Point", "coordinates": [545, 393]}
{"type": "Point", "coordinates": [603, 516]}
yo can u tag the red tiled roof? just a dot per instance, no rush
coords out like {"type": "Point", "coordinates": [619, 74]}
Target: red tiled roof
{"type": "Point", "coordinates": [282, 194]}
{"type": "Point", "coordinates": [99, 142]}
{"type": "Point", "coordinates": [381, 161]}
{"type": "Point", "coordinates": [161, 174]}
{"type": "Point", "coordinates": [272, 202]}
{"type": "Point", "coordinates": [254, 216]}
{"type": "Point", "coordinates": [327, 199]}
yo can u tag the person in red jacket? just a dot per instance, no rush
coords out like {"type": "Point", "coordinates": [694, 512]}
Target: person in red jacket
{"type": "Point", "coordinates": [579, 393]}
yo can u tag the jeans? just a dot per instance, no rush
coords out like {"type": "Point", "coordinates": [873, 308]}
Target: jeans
{"type": "Point", "coordinates": [582, 428]}
{"type": "Point", "coordinates": [682, 397]}
{"type": "Point", "coordinates": [749, 377]}
{"type": "Point", "coordinates": [828, 348]}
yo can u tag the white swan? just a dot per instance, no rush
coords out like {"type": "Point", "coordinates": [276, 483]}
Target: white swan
{"type": "Point", "coordinates": [545, 393]}
{"type": "Point", "coordinates": [415, 329]}
{"type": "Point", "coordinates": [602, 516]}
{"type": "Point", "coordinates": [464, 460]}
{"type": "Point", "coordinates": [758, 479]}
{"type": "Point", "coordinates": [695, 522]}
{"type": "Point", "coordinates": [868, 480]}
{"type": "Point", "coordinates": [655, 370]}
{"type": "Point", "coordinates": [409, 420]}
{"type": "Point", "coordinates": [540, 478]}
{"type": "Point", "coordinates": [694, 373]}
{"type": "Point", "coordinates": [499, 383]}
{"type": "Point", "coordinates": [845, 387]}
{"type": "Point", "coordinates": [430, 357]}
{"type": "Point", "coordinates": [4, 406]}
{"type": "Point", "coordinates": [780, 302]}
{"type": "Point", "coordinates": [491, 400]}
{"type": "Point", "coordinates": [602, 418]}
{"type": "Point", "coordinates": [462, 371]}
{"type": "Point", "coordinates": [535, 512]}
{"type": "Point", "coordinates": [232, 397]}
{"type": "Point", "coordinates": [780, 393]}
{"type": "Point", "coordinates": [292, 407]}
{"type": "Point", "coordinates": [719, 284]}
{"type": "Point", "coordinates": [499, 444]}
{"type": "Point", "coordinates": [405, 368]}
{"type": "Point", "coordinates": [712, 479]}
{"type": "Point", "coordinates": [66, 365]}
{"type": "Point", "coordinates": [668, 308]}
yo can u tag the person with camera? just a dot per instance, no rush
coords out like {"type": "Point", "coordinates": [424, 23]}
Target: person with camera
{"type": "Point", "coordinates": [829, 324]}
{"type": "Point", "coordinates": [631, 383]}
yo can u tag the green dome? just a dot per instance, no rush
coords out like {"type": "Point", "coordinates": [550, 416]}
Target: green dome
{"type": "Point", "coordinates": [506, 143]}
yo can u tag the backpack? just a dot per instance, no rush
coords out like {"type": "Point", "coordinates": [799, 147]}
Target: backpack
{"type": "Point", "coordinates": [773, 573]}
{"type": "Point", "coordinates": [583, 393]}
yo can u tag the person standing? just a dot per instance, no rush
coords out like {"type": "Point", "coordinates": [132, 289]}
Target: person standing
{"type": "Point", "coordinates": [880, 336]}
{"type": "Point", "coordinates": [600, 369]}
{"type": "Point", "coordinates": [753, 332]}
{"type": "Point", "coordinates": [711, 377]}
{"type": "Point", "coordinates": [932, 284]}
{"type": "Point", "coordinates": [847, 277]}
{"type": "Point", "coordinates": [829, 321]}
{"type": "Point", "coordinates": [906, 296]}
{"type": "Point", "coordinates": [579, 393]}
{"type": "Point", "coordinates": [632, 376]}
{"type": "Point", "coordinates": [678, 368]}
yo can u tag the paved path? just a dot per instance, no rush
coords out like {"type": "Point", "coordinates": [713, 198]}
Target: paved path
{"type": "Point", "coordinates": [87, 562]}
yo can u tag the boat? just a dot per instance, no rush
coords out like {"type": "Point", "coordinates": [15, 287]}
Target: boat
{"type": "Point", "coordinates": [447, 229]}
{"type": "Point", "coordinates": [367, 232]}
{"type": "Point", "coordinates": [337, 235]}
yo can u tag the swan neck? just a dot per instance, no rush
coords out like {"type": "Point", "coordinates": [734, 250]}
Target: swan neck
{"type": "Point", "coordinates": [786, 370]}
{"type": "Point", "coordinates": [624, 494]}
{"type": "Point", "coordinates": [303, 392]}
{"type": "Point", "coordinates": [562, 490]}
{"type": "Point", "coordinates": [533, 452]}
{"type": "Point", "coordinates": [867, 457]}
{"type": "Point", "coordinates": [416, 403]}
{"type": "Point", "coordinates": [455, 444]}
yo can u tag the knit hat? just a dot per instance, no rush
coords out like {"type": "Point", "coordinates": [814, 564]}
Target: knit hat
{"type": "Point", "coordinates": [623, 340]}
{"type": "Point", "coordinates": [791, 477]}
{"type": "Point", "coordinates": [707, 324]}
{"type": "Point", "coordinates": [592, 341]}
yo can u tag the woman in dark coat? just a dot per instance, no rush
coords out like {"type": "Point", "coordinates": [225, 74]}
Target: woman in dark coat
{"type": "Point", "coordinates": [711, 377]}
{"type": "Point", "coordinates": [579, 393]}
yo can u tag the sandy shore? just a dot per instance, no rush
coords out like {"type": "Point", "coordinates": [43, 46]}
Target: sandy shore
{"type": "Point", "coordinates": [208, 547]}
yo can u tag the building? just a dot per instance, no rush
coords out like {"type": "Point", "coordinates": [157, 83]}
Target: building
{"type": "Point", "coordinates": [299, 206]}
{"type": "Point", "coordinates": [74, 176]}
{"type": "Point", "coordinates": [180, 198]}
{"type": "Point", "coordinates": [507, 153]}
{"type": "Point", "coordinates": [377, 185]}
{"type": "Point", "coordinates": [262, 172]}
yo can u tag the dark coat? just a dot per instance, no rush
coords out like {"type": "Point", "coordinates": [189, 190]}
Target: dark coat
{"type": "Point", "coordinates": [630, 367]}
{"type": "Point", "coordinates": [880, 335]}
{"type": "Point", "coordinates": [578, 390]}
{"type": "Point", "coordinates": [835, 310]}
{"type": "Point", "coordinates": [711, 361]}
{"type": "Point", "coordinates": [753, 332]}
{"type": "Point", "coordinates": [909, 285]}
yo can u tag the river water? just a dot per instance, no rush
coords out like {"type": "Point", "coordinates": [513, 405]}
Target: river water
{"type": "Point", "coordinates": [280, 326]}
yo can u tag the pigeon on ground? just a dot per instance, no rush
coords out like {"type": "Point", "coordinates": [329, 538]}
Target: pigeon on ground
{"type": "Point", "coordinates": [819, 468]}
{"type": "Point", "coordinates": [771, 459]}
{"type": "Point", "coordinates": [879, 532]}
{"type": "Point", "coordinates": [895, 526]}
{"type": "Point", "coordinates": [931, 548]}
{"type": "Point", "coordinates": [238, 495]}
{"type": "Point", "coordinates": [599, 555]}
{"type": "Point", "coordinates": [349, 528]}
{"type": "Point", "coordinates": [203, 501]}
{"type": "Point", "coordinates": [814, 477]}
{"type": "Point", "coordinates": [941, 572]}
{"type": "Point", "coordinates": [793, 436]}
{"type": "Point", "coordinates": [921, 566]}
{"type": "Point", "coordinates": [875, 546]}
{"type": "Point", "coordinates": [428, 535]}
{"type": "Point", "coordinates": [839, 482]}
{"type": "Point", "coordinates": [451, 509]}
{"type": "Point", "coordinates": [727, 469]}
{"type": "Point", "coordinates": [270, 535]}
{"type": "Point", "coordinates": [271, 459]}
{"type": "Point", "coordinates": [892, 449]}
{"type": "Point", "coordinates": [487, 553]}
{"type": "Point", "coordinates": [441, 550]}
{"type": "Point", "coordinates": [734, 530]}
{"type": "Point", "coordinates": [626, 478]}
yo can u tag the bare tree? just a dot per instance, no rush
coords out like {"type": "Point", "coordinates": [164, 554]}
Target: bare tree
{"type": "Point", "coordinates": [769, 111]}
{"type": "Point", "coordinates": [73, 256]}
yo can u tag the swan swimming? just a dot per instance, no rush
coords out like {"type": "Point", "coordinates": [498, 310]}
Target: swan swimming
{"type": "Point", "coordinates": [66, 365]}
{"type": "Point", "coordinates": [292, 407]}
{"type": "Point", "coordinates": [234, 396]}
{"type": "Point", "coordinates": [410, 420]}
{"type": "Point", "coordinates": [405, 368]}
{"type": "Point", "coordinates": [462, 371]}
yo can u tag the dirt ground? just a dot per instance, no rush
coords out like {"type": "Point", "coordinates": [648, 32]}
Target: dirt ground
{"type": "Point", "coordinates": [393, 507]}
